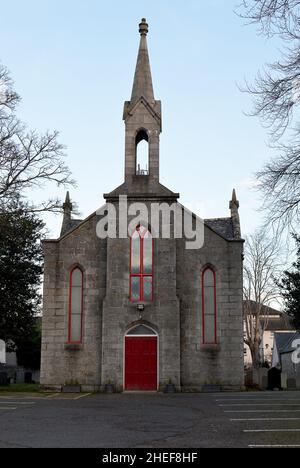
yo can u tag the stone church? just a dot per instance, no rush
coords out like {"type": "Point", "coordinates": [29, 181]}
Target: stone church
{"type": "Point", "coordinates": [141, 311]}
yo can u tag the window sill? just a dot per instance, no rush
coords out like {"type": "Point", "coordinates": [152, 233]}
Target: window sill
{"type": "Point", "coordinates": [136, 303]}
{"type": "Point", "coordinates": [210, 347]}
{"type": "Point", "coordinates": [73, 346]}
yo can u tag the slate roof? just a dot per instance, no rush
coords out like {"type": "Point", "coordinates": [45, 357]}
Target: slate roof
{"type": "Point", "coordinates": [282, 323]}
{"type": "Point", "coordinates": [74, 223]}
{"type": "Point", "coordinates": [277, 320]}
{"type": "Point", "coordinates": [222, 226]}
{"type": "Point", "coordinates": [289, 348]}
{"type": "Point", "coordinates": [284, 340]}
{"type": "Point", "coordinates": [69, 226]}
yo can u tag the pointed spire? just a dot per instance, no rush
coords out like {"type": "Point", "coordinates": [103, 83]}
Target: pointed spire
{"type": "Point", "coordinates": [67, 208]}
{"type": "Point", "coordinates": [67, 200]}
{"type": "Point", "coordinates": [234, 205]}
{"type": "Point", "coordinates": [142, 84]}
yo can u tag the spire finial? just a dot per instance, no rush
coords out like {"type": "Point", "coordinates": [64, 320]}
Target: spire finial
{"type": "Point", "coordinates": [143, 27]}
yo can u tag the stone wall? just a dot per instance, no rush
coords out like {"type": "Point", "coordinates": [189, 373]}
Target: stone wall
{"type": "Point", "coordinates": [61, 363]}
{"type": "Point", "coordinates": [176, 312]}
{"type": "Point", "coordinates": [220, 364]}
{"type": "Point", "coordinates": [119, 314]}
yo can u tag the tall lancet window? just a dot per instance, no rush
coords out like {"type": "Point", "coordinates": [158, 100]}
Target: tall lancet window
{"type": "Point", "coordinates": [141, 265]}
{"type": "Point", "coordinates": [209, 306]}
{"type": "Point", "coordinates": [75, 306]}
{"type": "Point", "coordinates": [142, 153]}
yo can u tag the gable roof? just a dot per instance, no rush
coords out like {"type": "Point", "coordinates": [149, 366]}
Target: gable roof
{"type": "Point", "coordinates": [220, 226]}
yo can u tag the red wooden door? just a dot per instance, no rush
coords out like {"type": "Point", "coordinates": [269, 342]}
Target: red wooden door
{"type": "Point", "coordinates": [141, 363]}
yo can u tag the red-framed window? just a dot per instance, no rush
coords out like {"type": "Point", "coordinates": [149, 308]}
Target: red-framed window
{"type": "Point", "coordinates": [209, 307]}
{"type": "Point", "coordinates": [75, 306]}
{"type": "Point", "coordinates": [141, 265]}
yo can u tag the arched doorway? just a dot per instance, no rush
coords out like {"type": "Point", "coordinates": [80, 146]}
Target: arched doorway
{"type": "Point", "coordinates": [141, 358]}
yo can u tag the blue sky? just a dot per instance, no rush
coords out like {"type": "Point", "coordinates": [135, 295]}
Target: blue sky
{"type": "Point", "coordinates": [73, 64]}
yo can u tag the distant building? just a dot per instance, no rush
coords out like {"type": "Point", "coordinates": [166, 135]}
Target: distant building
{"type": "Point", "coordinates": [8, 364]}
{"type": "Point", "coordinates": [9, 358]}
{"type": "Point", "coordinates": [2, 352]}
{"type": "Point", "coordinates": [13, 363]}
{"type": "Point", "coordinates": [283, 345]}
{"type": "Point", "coordinates": [286, 356]}
{"type": "Point", "coordinates": [271, 321]}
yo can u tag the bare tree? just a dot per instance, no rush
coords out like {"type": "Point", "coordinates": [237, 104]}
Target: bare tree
{"type": "Point", "coordinates": [262, 268]}
{"type": "Point", "coordinates": [27, 160]}
{"type": "Point", "coordinates": [8, 97]}
{"type": "Point", "coordinates": [273, 16]}
{"type": "Point", "coordinates": [276, 92]}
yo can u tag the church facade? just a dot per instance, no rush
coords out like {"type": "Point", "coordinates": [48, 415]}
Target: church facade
{"type": "Point", "coordinates": [142, 310]}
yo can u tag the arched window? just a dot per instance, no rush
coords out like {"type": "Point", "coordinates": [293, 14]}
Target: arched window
{"type": "Point", "coordinates": [75, 306]}
{"type": "Point", "coordinates": [141, 330]}
{"type": "Point", "coordinates": [141, 265]}
{"type": "Point", "coordinates": [209, 307]}
{"type": "Point", "coordinates": [142, 153]}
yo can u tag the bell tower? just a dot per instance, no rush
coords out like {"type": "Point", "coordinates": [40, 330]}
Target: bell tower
{"type": "Point", "coordinates": [142, 117]}
{"type": "Point", "coordinates": [143, 125]}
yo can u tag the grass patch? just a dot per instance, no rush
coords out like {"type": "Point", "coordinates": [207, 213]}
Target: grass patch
{"type": "Point", "coordinates": [12, 388]}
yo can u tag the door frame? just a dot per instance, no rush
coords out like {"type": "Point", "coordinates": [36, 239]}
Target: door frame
{"type": "Point", "coordinates": [155, 334]}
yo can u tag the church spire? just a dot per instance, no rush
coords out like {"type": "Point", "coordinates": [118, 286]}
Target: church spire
{"type": "Point", "coordinates": [142, 84]}
{"type": "Point", "coordinates": [142, 117]}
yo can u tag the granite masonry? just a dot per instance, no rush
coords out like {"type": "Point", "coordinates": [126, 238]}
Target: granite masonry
{"type": "Point", "coordinates": [109, 310]}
